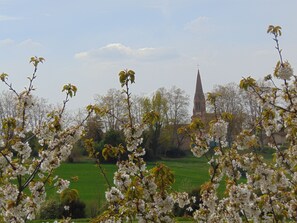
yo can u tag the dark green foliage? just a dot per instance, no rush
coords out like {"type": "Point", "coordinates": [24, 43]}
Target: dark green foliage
{"type": "Point", "coordinates": [151, 145]}
{"type": "Point", "coordinates": [54, 209]}
{"type": "Point", "coordinates": [175, 153]}
{"type": "Point", "coordinates": [113, 137]}
{"type": "Point", "coordinates": [94, 129]}
{"type": "Point", "coordinates": [77, 153]}
{"type": "Point", "coordinates": [152, 139]}
{"type": "Point", "coordinates": [76, 209]}
{"type": "Point", "coordinates": [149, 155]}
{"type": "Point", "coordinates": [51, 209]}
{"type": "Point", "coordinates": [94, 132]}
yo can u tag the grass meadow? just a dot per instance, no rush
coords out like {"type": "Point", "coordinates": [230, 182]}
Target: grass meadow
{"type": "Point", "coordinates": [190, 172]}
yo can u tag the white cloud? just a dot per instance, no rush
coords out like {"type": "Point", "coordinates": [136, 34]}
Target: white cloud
{"type": "Point", "coordinates": [29, 43]}
{"type": "Point", "coordinates": [6, 42]}
{"type": "Point", "coordinates": [25, 44]}
{"type": "Point", "coordinates": [7, 18]}
{"type": "Point", "coordinates": [118, 51]}
{"type": "Point", "coordinates": [197, 25]}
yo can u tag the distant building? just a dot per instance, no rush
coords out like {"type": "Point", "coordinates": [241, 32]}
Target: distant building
{"type": "Point", "coordinates": [199, 110]}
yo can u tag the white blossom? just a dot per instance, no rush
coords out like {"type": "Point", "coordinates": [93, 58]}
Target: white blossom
{"type": "Point", "coordinates": [285, 71]}
{"type": "Point", "coordinates": [113, 195]}
{"type": "Point", "coordinates": [61, 184]}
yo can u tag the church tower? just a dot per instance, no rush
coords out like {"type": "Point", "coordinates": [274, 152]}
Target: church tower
{"type": "Point", "coordinates": [199, 109]}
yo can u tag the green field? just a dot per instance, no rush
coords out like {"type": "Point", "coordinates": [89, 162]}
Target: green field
{"type": "Point", "coordinates": [190, 172]}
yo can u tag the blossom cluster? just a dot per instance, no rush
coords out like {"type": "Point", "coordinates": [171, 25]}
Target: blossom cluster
{"type": "Point", "coordinates": [24, 177]}
{"type": "Point", "coordinates": [256, 190]}
{"type": "Point", "coordinates": [135, 194]}
{"type": "Point", "coordinates": [218, 130]}
{"type": "Point", "coordinates": [285, 71]}
{"type": "Point", "coordinates": [139, 193]}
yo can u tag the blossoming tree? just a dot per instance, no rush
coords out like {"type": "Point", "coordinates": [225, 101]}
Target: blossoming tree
{"type": "Point", "coordinates": [23, 179]}
{"type": "Point", "coordinates": [137, 193]}
{"type": "Point", "coordinates": [269, 192]}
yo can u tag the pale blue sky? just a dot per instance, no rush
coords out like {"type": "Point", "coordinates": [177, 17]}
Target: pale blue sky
{"type": "Point", "coordinates": [87, 42]}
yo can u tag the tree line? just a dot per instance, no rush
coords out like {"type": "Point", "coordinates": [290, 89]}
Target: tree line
{"type": "Point", "coordinates": [161, 137]}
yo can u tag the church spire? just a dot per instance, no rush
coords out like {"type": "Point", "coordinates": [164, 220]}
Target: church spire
{"type": "Point", "coordinates": [199, 109]}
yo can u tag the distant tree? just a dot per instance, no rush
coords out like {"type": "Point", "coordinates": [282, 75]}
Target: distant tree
{"type": "Point", "coordinates": [171, 109]}
{"type": "Point", "coordinates": [7, 105]}
{"type": "Point", "coordinates": [37, 114]}
{"type": "Point", "coordinates": [94, 128]}
{"type": "Point", "coordinates": [230, 100]}
{"type": "Point", "coordinates": [159, 105]}
{"type": "Point", "coordinates": [113, 103]}
{"type": "Point", "coordinates": [110, 138]}
{"type": "Point", "coordinates": [178, 113]}
{"type": "Point", "coordinates": [114, 137]}
{"type": "Point", "coordinates": [245, 109]}
{"type": "Point", "coordinates": [138, 110]}
{"type": "Point", "coordinates": [254, 110]}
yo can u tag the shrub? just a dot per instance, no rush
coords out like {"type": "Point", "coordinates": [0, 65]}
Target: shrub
{"type": "Point", "coordinates": [175, 153]}
{"type": "Point", "coordinates": [71, 205]}
{"type": "Point", "coordinates": [76, 209]}
{"type": "Point", "coordinates": [68, 206]}
{"type": "Point", "coordinates": [51, 209]}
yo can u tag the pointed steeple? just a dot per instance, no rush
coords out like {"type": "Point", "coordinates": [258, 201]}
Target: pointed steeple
{"type": "Point", "coordinates": [199, 109]}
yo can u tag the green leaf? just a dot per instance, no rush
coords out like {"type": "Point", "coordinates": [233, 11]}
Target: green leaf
{"type": "Point", "coordinates": [275, 30]}
{"type": "Point", "coordinates": [105, 153]}
{"type": "Point", "coordinates": [245, 83]}
{"type": "Point", "coordinates": [122, 76]}
{"type": "Point", "coordinates": [3, 76]}
{"type": "Point", "coordinates": [70, 89]}
{"type": "Point", "coordinates": [227, 116]}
